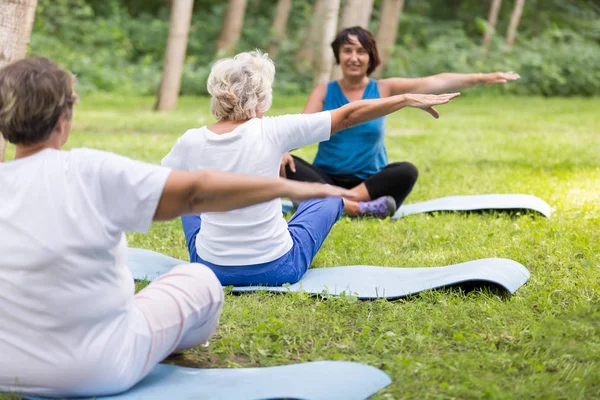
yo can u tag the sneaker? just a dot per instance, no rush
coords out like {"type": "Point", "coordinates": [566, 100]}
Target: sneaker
{"type": "Point", "coordinates": [379, 208]}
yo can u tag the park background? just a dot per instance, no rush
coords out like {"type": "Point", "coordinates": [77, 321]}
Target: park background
{"type": "Point", "coordinates": [119, 45]}
{"type": "Point", "coordinates": [538, 136]}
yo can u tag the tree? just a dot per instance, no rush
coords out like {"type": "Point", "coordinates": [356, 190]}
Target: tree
{"type": "Point", "coordinates": [511, 33]}
{"type": "Point", "coordinates": [391, 10]}
{"type": "Point", "coordinates": [181, 17]}
{"type": "Point", "coordinates": [491, 24]}
{"type": "Point", "coordinates": [278, 28]}
{"type": "Point", "coordinates": [330, 16]}
{"type": "Point", "coordinates": [356, 13]}
{"type": "Point", "coordinates": [232, 27]}
{"type": "Point", "coordinates": [312, 37]}
{"type": "Point", "coordinates": [16, 22]}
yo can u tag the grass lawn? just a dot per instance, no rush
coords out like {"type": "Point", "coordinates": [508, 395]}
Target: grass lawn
{"type": "Point", "coordinates": [543, 342]}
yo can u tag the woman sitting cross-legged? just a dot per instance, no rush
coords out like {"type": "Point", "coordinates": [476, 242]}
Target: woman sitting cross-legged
{"type": "Point", "coordinates": [70, 323]}
{"type": "Point", "coordinates": [254, 245]}
{"type": "Point", "coordinates": [356, 158]}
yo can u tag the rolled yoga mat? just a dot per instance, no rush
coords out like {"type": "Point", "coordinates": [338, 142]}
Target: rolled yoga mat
{"type": "Point", "coordinates": [466, 203]}
{"type": "Point", "coordinates": [326, 380]}
{"type": "Point", "coordinates": [364, 282]}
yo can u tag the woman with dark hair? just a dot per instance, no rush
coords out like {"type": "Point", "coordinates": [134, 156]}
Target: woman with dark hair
{"type": "Point", "coordinates": [356, 158]}
{"type": "Point", "coordinates": [70, 323]}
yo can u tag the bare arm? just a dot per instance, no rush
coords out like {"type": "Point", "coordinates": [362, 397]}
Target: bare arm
{"type": "Point", "coordinates": [357, 112]}
{"type": "Point", "coordinates": [315, 101]}
{"type": "Point", "coordinates": [443, 83]}
{"type": "Point", "coordinates": [204, 191]}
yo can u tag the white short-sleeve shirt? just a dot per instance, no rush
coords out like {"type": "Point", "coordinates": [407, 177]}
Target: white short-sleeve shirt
{"type": "Point", "coordinates": [65, 290]}
{"type": "Point", "coordinates": [255, 234]}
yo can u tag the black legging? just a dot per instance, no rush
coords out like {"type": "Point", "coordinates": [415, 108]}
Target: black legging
{"type": "Point", "coordinates": [396, 179]}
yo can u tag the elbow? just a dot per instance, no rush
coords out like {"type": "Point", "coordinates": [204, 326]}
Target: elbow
{"type": "Point", "coordinates": [193, 193]}
{"type": "Point", "coordinates": [347, 122]}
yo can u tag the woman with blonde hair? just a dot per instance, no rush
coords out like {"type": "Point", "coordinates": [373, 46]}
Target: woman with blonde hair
{"type": "Point", "coordinates": [70, 323]}
{"type": "Point", "coordinates": [255, 245]}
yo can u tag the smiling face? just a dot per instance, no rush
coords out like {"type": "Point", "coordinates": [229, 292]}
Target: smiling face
{"type": "Point", "coordinates": [354, 58]}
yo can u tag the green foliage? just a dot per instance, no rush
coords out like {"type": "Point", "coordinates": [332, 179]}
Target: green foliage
{"type": "Point", "coordinates": [557, 63]}
{"type": "Point", "coordinates": [118, 45]}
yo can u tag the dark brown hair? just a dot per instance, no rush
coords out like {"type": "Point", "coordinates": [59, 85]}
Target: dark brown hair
{"type": "Point", "coordinates": [366, 39]}
{"type": "Point", "coordinates": [34, 93]}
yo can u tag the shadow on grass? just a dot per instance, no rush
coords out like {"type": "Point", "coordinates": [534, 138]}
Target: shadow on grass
{"type": "Point", "coordinates": [460, 288]}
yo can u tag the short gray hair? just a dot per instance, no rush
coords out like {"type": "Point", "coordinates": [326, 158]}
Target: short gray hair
{"type": "Point", "coordinates": [242, 85]}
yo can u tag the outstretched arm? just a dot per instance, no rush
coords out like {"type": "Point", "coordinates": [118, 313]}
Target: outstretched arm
{"type": "Point", "coordinates": [357, 112]}
{"type": "Point", "coordinates": [442, 83]}
{"type": "Point", "coordinates": [204, 191]}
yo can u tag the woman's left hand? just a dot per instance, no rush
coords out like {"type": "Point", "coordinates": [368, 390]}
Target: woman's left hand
{"type": "Point", "coordinates": [495, 78]}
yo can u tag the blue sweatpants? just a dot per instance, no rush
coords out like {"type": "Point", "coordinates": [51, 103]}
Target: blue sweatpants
{"type": "Point", "coordinates": [309, 227]}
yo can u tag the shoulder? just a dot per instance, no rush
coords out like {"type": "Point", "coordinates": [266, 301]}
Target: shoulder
{"type": "Point", "coordinates": [192, 134]}
{"type": "Point", "coordinates": [86, 155]}
{"type": "Point", "coordinates": [384, 86]}
{"type": "Point", "coordinates": [106, 163]}
{"type": "Point", "coordinates": [316, 98]}
{"type": "Point", "coordinates": [322, 87]}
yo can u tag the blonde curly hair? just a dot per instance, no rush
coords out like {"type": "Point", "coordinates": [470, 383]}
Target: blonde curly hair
{"type": "Point", "coordinates": [241, 86]}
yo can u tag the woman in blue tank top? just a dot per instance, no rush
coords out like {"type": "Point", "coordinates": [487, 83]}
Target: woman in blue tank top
{"type": "Point", "coordinates": [356, 158]}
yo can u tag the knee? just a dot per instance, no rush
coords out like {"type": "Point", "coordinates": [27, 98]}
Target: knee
{"type": "Point", "coordinates": [412, 171]}
{"type": "Point", "coordinates": [409, 171]}
{"type": "Point", "coordinates": [202, 284]}
{"type": "Point", "coordinates": [336, 204]}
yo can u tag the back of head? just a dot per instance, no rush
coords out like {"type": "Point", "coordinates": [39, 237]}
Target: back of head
{"type": "Point", "coordinates": [241, 86]}
{"type": "Point", "coordinates": [34, 93]}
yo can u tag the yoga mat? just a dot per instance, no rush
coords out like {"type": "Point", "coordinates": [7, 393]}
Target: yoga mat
{"type": "Point", "coordinates": [466, 203]}
{"type": "Point", "coordinates": [327, 380]}
{"type": "Point", "coordinates": [365, 282]}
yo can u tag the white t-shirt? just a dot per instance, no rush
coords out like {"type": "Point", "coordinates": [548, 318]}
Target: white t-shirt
{"type": "Point", "coordinates": [255, 234]}
{"type": "Point", "coordinates": [65, 290]}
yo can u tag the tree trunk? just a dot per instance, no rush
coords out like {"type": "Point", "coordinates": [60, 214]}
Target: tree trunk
{"type": "Point", "coordinates": [16, 22]}
{"type": "Point", "coordinates": [330, 16]}
{"type": "Point", "coordinates": [511, 33]}
{"type": "Point", "coordinates": [278, 28]}
{"type": "Point", "coordinates": [232, 27]}
{"type": "Point", "coordinates": [491, 24]}
{"type": "Point", "coordinates": [537, 17]}
{"type": "Point", "coordinates": [457, 7]}
{"type": "Point", "coordinates": [181, 17]}
{"type": "Point", "coordinates": [355, 13]}
{"type": "Point", "coordinates": [391, 10]}
{"type": "Point", "coordinates": [311, 43]}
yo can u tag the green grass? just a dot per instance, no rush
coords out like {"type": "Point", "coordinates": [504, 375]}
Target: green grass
{"type": "Point", "coordinates": [543, 342]}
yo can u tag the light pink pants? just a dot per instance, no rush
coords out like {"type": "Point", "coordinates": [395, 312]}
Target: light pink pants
{"type": "Point", "coordinates": [179, 310]}
{"type": "Point", "coordinates": [182, 309]}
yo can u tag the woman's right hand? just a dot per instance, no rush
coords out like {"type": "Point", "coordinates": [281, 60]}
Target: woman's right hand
{"type": "Point", "coordinates": [426, 102]}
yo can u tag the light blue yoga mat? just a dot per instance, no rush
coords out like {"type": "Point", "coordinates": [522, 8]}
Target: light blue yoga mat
{"type": "Point", "coordinates": [466, 203]}
{"type": "Point", "coordinates": [326, 380]}
{"type": "Point", "coordinates": [365, 282]}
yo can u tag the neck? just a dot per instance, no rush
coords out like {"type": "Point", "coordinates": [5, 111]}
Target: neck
{"type": "Point", "coordinates": [225, 126]}
{"type": "Point", "coordinates": [354, 82]}
{"type": "Point", "coordinates": [22, 151]}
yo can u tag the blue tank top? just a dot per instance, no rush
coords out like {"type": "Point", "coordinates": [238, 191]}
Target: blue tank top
{"type": "Point", "coordinates": [358, 151]}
